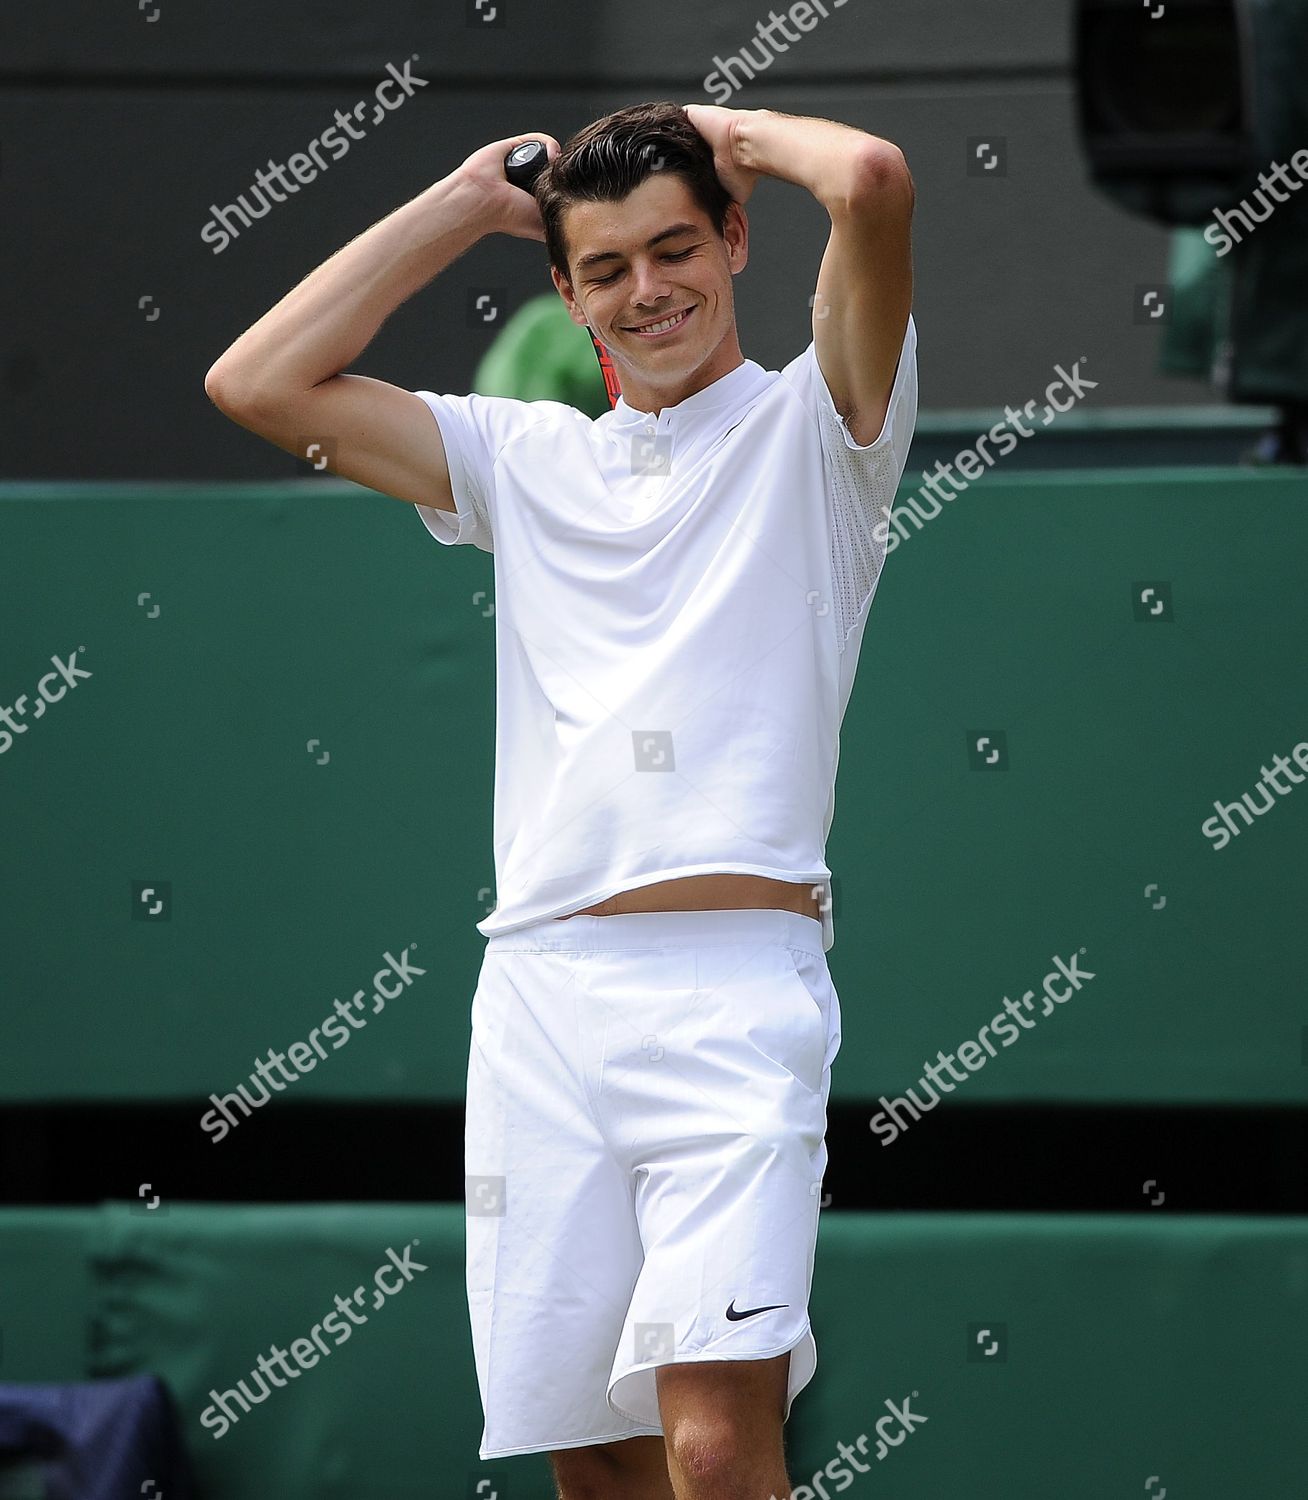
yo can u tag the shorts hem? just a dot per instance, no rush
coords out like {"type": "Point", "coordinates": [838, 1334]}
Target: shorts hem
{"type": "Point", "coordinates": [707, 1356]}
{"type": "Point", "coordinates": [586, 1442]}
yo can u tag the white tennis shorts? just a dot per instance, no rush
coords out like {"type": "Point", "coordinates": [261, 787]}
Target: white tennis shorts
{"type": "Point", "coordinates": [644, 1151]}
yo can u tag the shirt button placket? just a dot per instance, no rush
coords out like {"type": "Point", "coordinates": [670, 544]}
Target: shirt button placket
{"type": "Point", "coordinates": [660, 432]}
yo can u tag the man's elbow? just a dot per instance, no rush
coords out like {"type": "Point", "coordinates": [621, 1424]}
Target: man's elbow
{"type": "Point", "coordinates": [223, 387]}
{"type": "Point", "coordinates": [882, 182]}
{"type": "Point", "coordinates": [231, 389]}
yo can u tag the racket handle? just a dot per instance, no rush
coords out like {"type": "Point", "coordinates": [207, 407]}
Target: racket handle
{"type": "Point", "coordinates": [522, 166]}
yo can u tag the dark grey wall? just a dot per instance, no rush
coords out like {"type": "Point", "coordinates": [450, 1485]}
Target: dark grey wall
{"type": "Point", "coordinates": [117, 133]}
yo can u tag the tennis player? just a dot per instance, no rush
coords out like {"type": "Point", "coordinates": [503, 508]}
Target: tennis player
{"type": "Point", "coordinates": [682, 586]}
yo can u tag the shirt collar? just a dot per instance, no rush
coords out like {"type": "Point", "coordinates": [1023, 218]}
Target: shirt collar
{"type": "Point", "coordinates": [727, 390]}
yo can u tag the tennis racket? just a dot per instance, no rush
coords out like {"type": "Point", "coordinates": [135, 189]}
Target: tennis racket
{"type": "Point", "coordinates": [522, 166]}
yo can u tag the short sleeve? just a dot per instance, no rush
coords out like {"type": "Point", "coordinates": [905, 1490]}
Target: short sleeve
{"type": "Point", "coordinates": [473, 430]}
{"type": "Point", "coordinates": [862, 478]}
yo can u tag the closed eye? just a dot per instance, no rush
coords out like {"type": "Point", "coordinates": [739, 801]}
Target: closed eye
{"type": "Point", "coordinates": [613, 275]}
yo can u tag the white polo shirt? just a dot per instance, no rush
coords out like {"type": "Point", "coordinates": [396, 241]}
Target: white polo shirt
{"type": "Point", "coordinates": [679, 606]}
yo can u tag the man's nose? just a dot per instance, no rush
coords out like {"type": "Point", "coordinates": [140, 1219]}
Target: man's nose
{"type": "Point", "coordinates": [651, 286]}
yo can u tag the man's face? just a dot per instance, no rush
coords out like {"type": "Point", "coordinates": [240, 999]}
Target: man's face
{"type": "Point", "coordinates": [687, 273]}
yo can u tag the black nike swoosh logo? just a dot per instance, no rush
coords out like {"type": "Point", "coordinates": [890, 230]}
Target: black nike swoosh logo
{"type": "Point", "coordinates": [734, 1317]}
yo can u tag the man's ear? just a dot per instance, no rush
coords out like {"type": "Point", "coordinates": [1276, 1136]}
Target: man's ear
{"type": "Point", "coordinates": [735, 232]}
{"type": "Point", "coordinates": [564, 288]}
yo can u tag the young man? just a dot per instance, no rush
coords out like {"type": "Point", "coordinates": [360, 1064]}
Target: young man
{"type": "Point", "coordinates": [681, 590]}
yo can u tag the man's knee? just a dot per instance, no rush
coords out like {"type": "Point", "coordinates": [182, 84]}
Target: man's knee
{"type": "Point", "coordinates": [723, 1422]}
{"type": "Point", "coordinates": [706, 1449]}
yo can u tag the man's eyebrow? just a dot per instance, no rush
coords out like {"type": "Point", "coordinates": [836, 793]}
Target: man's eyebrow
{"type": "Point", "coordinates": [596, 256]}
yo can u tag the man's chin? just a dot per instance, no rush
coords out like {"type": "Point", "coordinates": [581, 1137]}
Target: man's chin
{"type": "Point", "coordinates": [660, 365]}
{"type": "Point", "coordinates": [659, 374]}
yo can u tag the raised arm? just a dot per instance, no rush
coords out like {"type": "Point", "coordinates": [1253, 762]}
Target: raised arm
{"type": "Point", "coordinates": [864, 288]}
{"type": "Point", "coordinates": [285, 379]}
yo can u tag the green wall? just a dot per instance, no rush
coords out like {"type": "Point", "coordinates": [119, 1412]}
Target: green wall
{"type": "Point", "coordinates": [227, 627]}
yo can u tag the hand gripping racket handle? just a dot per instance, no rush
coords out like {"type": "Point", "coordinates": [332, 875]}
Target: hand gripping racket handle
{"type": "Point", "coordinates": [522, 166]}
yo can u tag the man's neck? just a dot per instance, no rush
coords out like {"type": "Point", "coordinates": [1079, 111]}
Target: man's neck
{"type": "Point", "coordinates": [653, 398]}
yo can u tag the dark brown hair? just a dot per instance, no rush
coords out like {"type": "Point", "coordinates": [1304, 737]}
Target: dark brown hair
{"type": "Point", "coordinates": [610, 157]}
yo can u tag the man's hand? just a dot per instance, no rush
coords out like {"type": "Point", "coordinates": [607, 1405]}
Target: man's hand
{"type": "Point", "coordinates": [507, 209]}
{"type": "Point", "coordinates": [718, 126]}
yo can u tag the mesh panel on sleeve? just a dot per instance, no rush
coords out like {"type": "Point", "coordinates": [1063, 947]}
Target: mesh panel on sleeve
{"type": "Point", "coordinates": [862, 491]}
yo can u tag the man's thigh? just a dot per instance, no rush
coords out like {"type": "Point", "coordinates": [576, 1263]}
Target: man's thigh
{"type": "Point", "coordinates": [552, 1247]}
{"type": "Point", "coordinates": [740, 1399]}
{"type": "Point", "coordinates": [725, 1116]}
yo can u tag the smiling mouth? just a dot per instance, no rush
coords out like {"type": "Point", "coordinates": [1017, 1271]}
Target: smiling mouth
{"type": "Point", "coordinates": [664, 325]}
